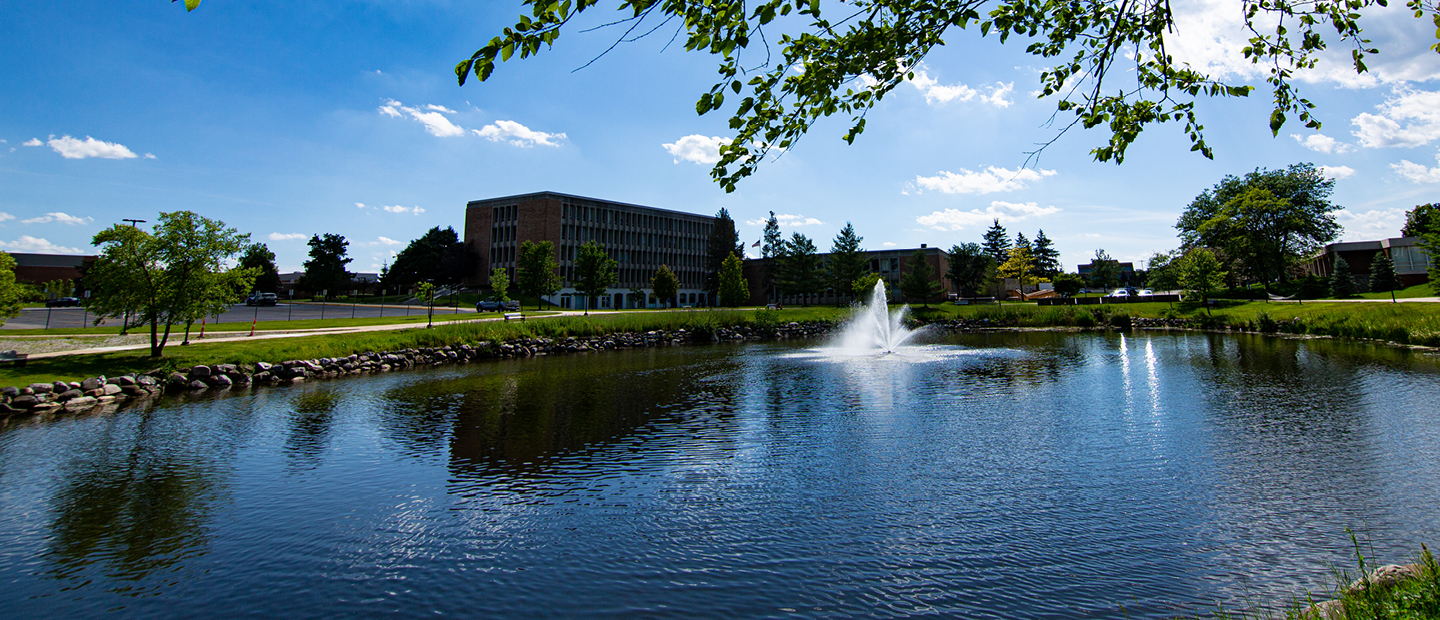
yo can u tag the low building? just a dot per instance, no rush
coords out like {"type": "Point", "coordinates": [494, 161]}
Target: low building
{"type": "Point", "coordinates": [1127, 272]}
{"type": "Point", "coordinates": [890, 264]}
{"type": "Point", "coordinates": [41, 268]}
{"type": "Point", "coordinates": [290, 284]}
{"type": "Point", "coordinates": [1412, 262]}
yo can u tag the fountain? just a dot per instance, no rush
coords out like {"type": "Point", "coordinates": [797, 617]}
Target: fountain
{"type": "Point", "coordinates": [874, 329]}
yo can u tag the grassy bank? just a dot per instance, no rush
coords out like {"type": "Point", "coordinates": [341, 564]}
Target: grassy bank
{"type": "Point", "coordinates": [244, 326]}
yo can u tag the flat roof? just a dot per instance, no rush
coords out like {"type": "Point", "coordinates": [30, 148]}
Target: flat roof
{"type": "Point", "coordinates": [518, 197]}
{"type": "Point", "coordinates": [49, 260]}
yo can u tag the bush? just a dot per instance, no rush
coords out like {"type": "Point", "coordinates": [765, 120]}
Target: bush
{"type": "Point", "coordinates": [1265, 323]}
{"type": "Point", "coordinates": [1120, 320]}
{"type": "Point", "coordinates": [1084, 318]}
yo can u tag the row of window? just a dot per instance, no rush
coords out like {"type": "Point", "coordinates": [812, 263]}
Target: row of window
{"type": "Point", "coordinates": [613, 217]}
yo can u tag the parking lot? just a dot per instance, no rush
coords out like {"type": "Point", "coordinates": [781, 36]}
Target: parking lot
{"type": "Point", "coordinates": [74, 318]}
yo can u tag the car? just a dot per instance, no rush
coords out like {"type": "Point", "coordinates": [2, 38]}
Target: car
{"type": "Point", "coordinates": [261, 299]}
{"type": "Point", "coordinates": [490, 305]}
{"type": "Point", "coordinates": [1145, 292]}
{"type": "Point", "coordinates": [1121, 292]}
{"type": "Point", "coordinates": [63, 302]}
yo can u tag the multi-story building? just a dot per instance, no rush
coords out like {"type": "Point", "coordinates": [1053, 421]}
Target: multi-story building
{"type": "Point", "coordinates": [640, 238]}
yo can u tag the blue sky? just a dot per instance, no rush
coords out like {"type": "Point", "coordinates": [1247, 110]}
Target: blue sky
{"type": "Point", "coordinates": [290, 119]}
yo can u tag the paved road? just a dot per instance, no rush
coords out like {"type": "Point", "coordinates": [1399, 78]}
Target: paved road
{"type": "Point", "coordinates": [58, 318]}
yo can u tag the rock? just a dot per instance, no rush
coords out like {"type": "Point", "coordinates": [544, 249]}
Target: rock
{"type": "Point", "coordinates": [111, 389]}
{"type": "Point", "coordinates": [262, 376]}
{"type": "Point", "coordinates": [1328, 610]}
{"type": "Point", "coordinates": [92, 383]}
{"type": "Point", "coordinates": [197, 384]}
{"type": "Point", "coordinates": [146, 380]}
{"type": "Point", "coordinates": [1385, 577]}
{"type": "Point", "coordinates": [8, 410]}
{"type": "Point", "coordinates": [10, 391]}
{"type": "Point", "coordinates": [177, 381]}
{"type": "Point", "coordinates": [83, 402]}
{"type": "Point", "coordinates": [69, 395]}
{"type": "Point", "coordinates": [24, 401]}
{"type": "Point", "coordinates": [42, 388]}
{"type": "Point", "coordinates": [45, 407]}
{"type": "Point", "coordinates": [126, 380]}
{"type": "Point", "coordinates": [199, 371]}
{"type": "Point", "coordinates": [263, 367]}
{"type": "Point", "coordinates": [26, 391]}
{"type": "Point", "coordinates": [219, 381]}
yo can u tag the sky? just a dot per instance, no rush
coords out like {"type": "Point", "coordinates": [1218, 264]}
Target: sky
{"type": "Point", "coordinates": [286, 120]}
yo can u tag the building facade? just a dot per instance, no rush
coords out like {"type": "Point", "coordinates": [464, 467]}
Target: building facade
{"type": "Point", "coordinates": [890, 264]}
{"type": "Point", "coordinates": [1412, 263]}
{"type": "Point", "coordinates": [639, 238]}
{"type": "Point", "coordinates": [41, 268]}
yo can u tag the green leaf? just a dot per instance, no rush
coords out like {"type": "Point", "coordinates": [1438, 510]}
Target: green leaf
{"type": "Point", "coordinates": [1277, 120]}
{"type": "Point", "coordinates": [462, 70]}
{"type": "Point", "coordinates": [191, 5]}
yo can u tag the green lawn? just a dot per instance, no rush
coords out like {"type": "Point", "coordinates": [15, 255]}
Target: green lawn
{"type": "Point", "coordinates": [1419, 290]}
{"type": "Point", "coordinates": [244, 326]}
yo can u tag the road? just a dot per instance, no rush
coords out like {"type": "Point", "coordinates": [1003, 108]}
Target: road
{"type": "Point", "coordinates": [73, 318]}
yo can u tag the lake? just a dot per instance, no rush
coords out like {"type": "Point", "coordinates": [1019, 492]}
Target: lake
{"type": "Point", "coordinates": [1006, 475]}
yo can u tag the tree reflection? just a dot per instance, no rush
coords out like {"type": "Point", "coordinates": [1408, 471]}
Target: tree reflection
{"type": "Point", "coordinates": [310, 426]}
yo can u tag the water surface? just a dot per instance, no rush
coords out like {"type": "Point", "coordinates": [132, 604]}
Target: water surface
{"type": "Point", "coordinates": [1034, 475]}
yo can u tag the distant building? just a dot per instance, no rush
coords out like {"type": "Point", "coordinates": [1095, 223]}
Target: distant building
{"type": "Point", "coordinates": [290, 284]}
{"type": "Point", "coordinates": [1127, 272]}
{"type": "Point", "coordinates": [890, 264]}
{"type": "Point", "coordinates": [640, 238]}
{"type": "Point", "coordinates": [40, 268]}
{"type": "Point", "coordinates": [1411, 261]}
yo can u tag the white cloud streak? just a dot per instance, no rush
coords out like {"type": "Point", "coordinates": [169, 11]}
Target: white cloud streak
{"type": "Point", "coordinates": [1321, 143]}
{"type": "Point", "coordinates": [75, 148]}
{"type": "Point", "coordinates": [696, 148]}
{"type": "Point", "coordinates": [5, 217]}
{"type": "Point", "coordinates": [32, 142]}
{"type": "Point", "coordinates": [275, 236]}
{"type": "Point", "coordinates": [26, 243]}
{"type": "Point", "coordinates": [1373, 224]}
{"type": "Point", "coordinates": [1408, 118]}
{"type": "Point", "coordinates": [517, 134]}
{"type": "Point", "coordinates": [990, 180]}
{"type": "Point", "coordinates": [1006, 212]}
{"type": "Point", "coordinates": [1417, 173]}
{"type": "Point", "coordinates": [58, 217]}
{"type": "Point", "coordinates": [787, 219]}
{"type": "Point", "coordinates": [1337, 172]}
{"type": "Point", "coordinates": [400, 209]}
{"type": "Point", "coordinates": [387, 241]}
{"type": "Point", "coordinates": [434, 121]}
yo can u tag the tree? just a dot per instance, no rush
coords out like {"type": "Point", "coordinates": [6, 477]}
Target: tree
{"type": "Point", "coordinates": [173, 277]}
{"type": "Point", "coordinates": [262, 260]}
{"type": "Point", "coordinates": [967, 266]}
{"type": "Point", "coordinates": [734, 290]}
{"type": "Point", "coordinates": [1342, 283]}
{"type": "Point", "coordinates": [771, 248]}
{"type": "Point", "coordinates": [500, 284]}
{"type": "Point", "coordinates": [799, 270]}
{"type": "Point", "coordinates": [10, 290]}
{"type": "Point", "coordinates": [865, 284]}
{"type": "Point", "coordinates": [437, 256]}
{"type": "Point", "coordinates": [1067, 284]}
{"type": "Point", "coordinates": [1422, 220]}
{"type": "Point", "coordinates": [1200, 272]}
{"type": "Point", "coordinates": [1382, 275]}
{"type": "Point", "coordinates": [774, 105]}
{"type": "Point", "coordinates": [1021, 266]}
{"type": "Point", "coordinates": [1164, 271]}
{"type": "Point", "coordinates": [723, 242]}
{"type": "Point", "coordinates": [1264, 221]}
{"type": "Point", "coordinates": [919, 279]}
{"type": "Point", "coordinates": [665, 285]}
{"type": "Point", "coordinates": [594, 272]}
{"type": "Point", "coordinates": [325, 271]}
{"type": "Point", "coordinates": [1047, 258]}
{"type": "Point", "coordinates": [1431, 244]}
{"type": "Point", "coordinates": [537, 270]}
{"type": "Point", "coordinates": [997, 243]}
{"type": "Point", "coordinates": [1105, 271]}
{"type": "Point", "coordinates": [847, 260]}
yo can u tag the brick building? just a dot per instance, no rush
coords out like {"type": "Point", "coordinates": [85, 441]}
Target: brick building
{"type": "Point", "coordinates": [890, 264]}
{"type": "Point", "coordinates": [640, 238]}
{"type": "Point", "coordinates": [41, 268]}
{"type": "Point", "coordinates": [1411, 261]}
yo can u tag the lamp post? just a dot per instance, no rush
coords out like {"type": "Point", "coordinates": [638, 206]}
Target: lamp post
{"type": "Point", "coordinates": [125, 322]}
{"type": "Point", "coordinates": [430, 292]}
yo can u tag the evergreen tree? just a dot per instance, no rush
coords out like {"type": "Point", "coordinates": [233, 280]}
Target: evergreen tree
{"type": "Point", "coordinates": [734, 290]}
{"type": "Point", "coordinates": [724, 241]}
{"type": "Point", "coordinates": [1342, 283]}
{"type": "Point", "coordinates": [918, 280]}
{"type": "Point", "coordinates": [262, 260]}
{"type": "Point", "coordinates": [772, 247]}
{"type": "Point", "coordinates": [1047, 258]}
{"type": "Point", "coordinates": [1382, 275]}
{"type": "Point", "coordinates": [799, 268]}
{"type": "Point", "coordinates": [847, 261]}
{"type": "Point", "coordinates": [665, 285]}
{"type": "Point", "coordinates": [997, 243]}
{"type": "Point", "coordinates": [1105, 271]}
{"type": "Point", "coordinates": [967, 265]}
{"type": "Point", "coordinates": [594, 272]}
{"type": "Point", "coordinates": [536, 270]}
{"type": "Point", "coordinates": [325, 271]}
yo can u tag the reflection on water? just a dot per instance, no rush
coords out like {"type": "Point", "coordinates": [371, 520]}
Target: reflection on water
{"type": "Point", "coordinates": [1028, 475]}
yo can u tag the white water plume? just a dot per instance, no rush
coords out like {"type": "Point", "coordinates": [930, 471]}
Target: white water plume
{"type": "Point", "coordinates": [874, 329]}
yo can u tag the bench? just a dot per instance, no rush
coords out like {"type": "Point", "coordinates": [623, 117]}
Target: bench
{"type": "Point", "coordinates": [515, 315]}
{"type": "Point", "coordinates": [16, 358]}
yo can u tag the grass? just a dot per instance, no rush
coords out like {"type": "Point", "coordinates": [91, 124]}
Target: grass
{"type": "Point", "coordinates": [244, 326]}
{"type": "Point", "coordinates": [1419, 290]}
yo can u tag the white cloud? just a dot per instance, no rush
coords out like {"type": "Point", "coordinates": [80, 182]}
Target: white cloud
{"type": "Point", "coordinates": [1417, 173]}
{"type": "Point", "coordinates": [697, 148]}
{"type": "Point", "coordinates": [992, 179]}
{"type": "Point", "coordinates": [888, 244]}
{"type": "Point", "coordinates": [6, 217]}
{"type": "Point", "coordinates": [32, 142]}
{"type": "Point", "coordinates": [74, 148]}
{"type": "Point", "coordinates": [517, 134]}
{"type": "Point", "coordinates": [434, 121]}
{"type": "Point", "coordinates": [439, 108]}
{"type": "Point", "coordinates": [998, 94]}
{"type": "Point", "coordinates": [400, 209]}
{"type": "Point", "coordinates": [275, 236]}
{"type": "Point", "coordinates": [387, 241]}
{"type": "Point", "coordinates": [786, 219]}
{"type": "Point", "coordinates": [59, 217]}
{"type": "Point", "coordinates": [1419, 111]}
{"type": "Point", "coordinates": [149, 156]}
{"type": "Point", "coordinates": [1337, 172]}
{"type": "Point", "coordinates": [1321, 143]}
{"type": "Point", "coordinates": [1006, 212]}
{"type": "Point", "coordinates": [360, 205]}
{"type": "Point", "coordinates": [1373, 224]}
{"type": "Point", "coordinates": [935, 92]}
{"type": "Point", "coordinates": [26, 243]}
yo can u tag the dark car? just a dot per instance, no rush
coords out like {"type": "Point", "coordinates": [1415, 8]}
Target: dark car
{"type": "Point", "coordinates": [490, 305]}
{"type": "Point", "coordinates": [63, 302]}
{"type": "Point", "coordinates": [263, 299]}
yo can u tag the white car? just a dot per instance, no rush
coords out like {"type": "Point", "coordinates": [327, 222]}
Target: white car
{"type": "Point", "coordinates": [1145, 292]}
{"type": "Point", "coordinates": [1119, 292]}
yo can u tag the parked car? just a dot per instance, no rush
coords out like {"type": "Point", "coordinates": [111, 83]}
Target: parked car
{"type": "Point", "coordinates": [1121, 292]}
{"type": "Point", "coordinates": [1145, 292]}
{"type": "Point", "coordinates": [490, 305]}
{"type": "Point", "coordinates": [261, 299]}
{"type": "Point", "coordinates": [63, 302]}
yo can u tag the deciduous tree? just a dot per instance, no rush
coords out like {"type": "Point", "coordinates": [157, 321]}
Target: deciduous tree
{"type": "Point", "coordinates": [1105, 271]}
{"type": "Point", "coordinates": [1067, 284]}
{"type": "Point", "coordinates": [594, 272]}
{"type": "Point", "coordinates": [10, 290]}
{"type": "Point", "coordinates": [734, 290]}
{"type": "Point", "coordinates": [1200, 272]}
{"type": "Point", "coordinates": [665, 285]}
{"type": "Point", "coordinates": [1020, 265]}
{"type": "Point", "coordinates": [1422, 220]}
{"type": "Point", "coordinates": [500, 284]}
{"type": "Point", "coordinates": [537, 270]}
{"type": "Point", "coordinates": [262, 260]}
{"type": "Point", "coordinates": [325, 271]}
{"type": "Point", "coordinates": [967, 266]}
{"type": "Point", "coordinates": [724, 241]}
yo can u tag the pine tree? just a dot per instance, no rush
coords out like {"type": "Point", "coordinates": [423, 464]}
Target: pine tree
{"type": "Point", "coordinates": [919, 279]}
{"type": "Point", "coordinates": [1047, 258]}
{"type": "Point", "coordinates": [1342, 284]}
{"type": "Point", "coordinates": [772, 248]}
{"type": "Point", "coordinates": [847, 260]}
{"type": "Point", "coordinates": [734, 290]}
{"type": "Point", "coordinates": [997, 242]}
{"type": "Point", "coordinates": [799, 270]}
{"type": "Point", "coordinates": [1382, 275]}
{"type": "Point", "coordinates": [723, 242]}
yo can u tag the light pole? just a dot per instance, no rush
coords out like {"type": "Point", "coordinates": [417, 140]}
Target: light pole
{"type": "Point", "coordinates": [125, 322]}
{"type": "Point", "coordinates": [430, 292]}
